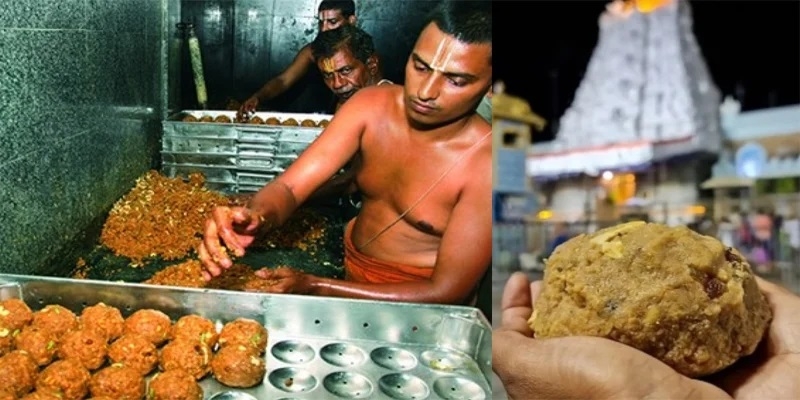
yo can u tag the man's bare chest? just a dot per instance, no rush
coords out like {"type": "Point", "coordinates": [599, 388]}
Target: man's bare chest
{"type": "Point", "coordinates": [425, 189]}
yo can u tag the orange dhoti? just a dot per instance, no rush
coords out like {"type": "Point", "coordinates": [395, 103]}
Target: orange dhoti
{"type": "Point", "coordinates": [359, 267]}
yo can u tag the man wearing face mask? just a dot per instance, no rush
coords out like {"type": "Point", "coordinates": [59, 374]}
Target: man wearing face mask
{"type": "Point", "coordinates": [332, 14]}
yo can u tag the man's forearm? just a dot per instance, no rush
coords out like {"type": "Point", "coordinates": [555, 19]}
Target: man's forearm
{"type": "Point", "coordinates": [275, 203]}
{"type": "Point", "coordinates": [270, 90]}
{"type": "Point", "coordinates": [414, 292]}
{"type": "Point", "coordinates": [331, 189]}
{"type": "Point", "coordinates": [340, 185]}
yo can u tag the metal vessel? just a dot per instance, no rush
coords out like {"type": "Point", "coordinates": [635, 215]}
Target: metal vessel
{"type": "Point", "coordinates": [319, 348]}
{"type": "Point", "coordinates": [234, 157]}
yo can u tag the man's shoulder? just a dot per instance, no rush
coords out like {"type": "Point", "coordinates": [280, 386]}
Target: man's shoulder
{"type": "Point", "coordinates": [369, 103]}
{"type": "Point", "coordinates": [307, 52]}
{"type": "Point", "coordinates": [481, 123]}
{"type": "Point", "coordinates": [378, 93]}
{"type": "Point", "coordinates": [479, 165]}
{"type": "Point", "coordinates": [385, 85]}
{"type": "Point", "coordinates": [480, 127]}
{"type": "Point", "coordinates": [485, 132]}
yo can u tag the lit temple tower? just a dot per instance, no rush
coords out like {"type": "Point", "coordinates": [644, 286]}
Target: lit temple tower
{"type": "Point", "coordinates": [646, 82]}
{"type": "Point", "coordinates": [647, 106]}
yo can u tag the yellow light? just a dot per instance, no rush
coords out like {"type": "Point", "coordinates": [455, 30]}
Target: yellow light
{"type": "Point", "coordinates": [648, 6]}
{"type": "Point", "coordinates": [544, 214]}
{"type": "Point", "coordinates": [697, 210]}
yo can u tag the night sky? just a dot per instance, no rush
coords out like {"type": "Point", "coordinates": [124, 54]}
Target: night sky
{"type": "Point", "coordinates": [752, 49]}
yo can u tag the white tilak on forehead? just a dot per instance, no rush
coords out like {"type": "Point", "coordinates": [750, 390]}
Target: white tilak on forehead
{"type": "Point", "coordinates": [442, 56]}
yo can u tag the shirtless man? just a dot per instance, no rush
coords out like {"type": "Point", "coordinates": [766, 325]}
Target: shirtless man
{"type": "Point", "coordinates": [423, 233]}
{"type": "Point", "coordinates": [347, 60]}
{"type": "Point", "coordinates": [332, 14]}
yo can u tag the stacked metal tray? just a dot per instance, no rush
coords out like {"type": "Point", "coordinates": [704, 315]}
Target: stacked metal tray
{"type": "Point", "coordinates": [319, 348]}
{"type": "Point", "coordinates": [234, 157]}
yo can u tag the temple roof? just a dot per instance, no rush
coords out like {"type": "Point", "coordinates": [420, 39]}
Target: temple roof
{"type": "Point", "coordinates": [647, 96]}
{"type": "Point", "coordinates": [515, 108]}
{"type": "Point", "coordinates": [773, 133]}
{"type": "Point", "coordinates": [759, 124]}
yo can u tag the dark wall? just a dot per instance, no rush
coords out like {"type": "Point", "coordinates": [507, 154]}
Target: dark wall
{"type": "Point", "coordinates": [244, 43]}
{"type": "Point", "coordinates": [82, 90]}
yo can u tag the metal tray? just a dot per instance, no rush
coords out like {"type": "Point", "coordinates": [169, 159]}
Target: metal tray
{"type": "Point", "coordinates": [264, 115]}
{"type": "Point", "coordinates": [332, 348]}
{"type": "Point", "coordinates": [234, 157]}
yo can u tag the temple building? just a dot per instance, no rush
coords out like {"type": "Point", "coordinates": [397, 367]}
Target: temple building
{"type": "Point", "coordinates": [644, 125]}
{"type": "Point", "coordinates": [759, 166]}
{"type": "Point", "coordinates": [514, 197]}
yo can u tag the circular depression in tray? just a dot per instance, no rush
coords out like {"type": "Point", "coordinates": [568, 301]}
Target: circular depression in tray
{"type": "Point", "coordinates": [444, 360]}
{"type": "Point", "coordinates": [348, 385]}
{"type": "Point", "coordinates": [393, 358]}
{"type": "Point", "coordinates": [292, 380]}
{"type": "Point", "coordinates": [402, 386]}
{"type": "Point", "coordinates": [342, 355]}
{"type": "Point", "coordinates": [232, 395]}
{"type": "Point", "coordinates": [292, 352]}
{"type": "Point", "coordinates": [456, 388]}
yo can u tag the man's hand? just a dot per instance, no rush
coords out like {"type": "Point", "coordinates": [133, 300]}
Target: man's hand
{"type": "Point", "coordinates": [248, 107]}
{"type": "Point", "coordinates": [287, 280]}
{"type": "Point", "coordinates": [770, 373]}
{"type": "Point", "coordinates": [236, 227]}
{"type": "Point", "coordinates": [578, 367]}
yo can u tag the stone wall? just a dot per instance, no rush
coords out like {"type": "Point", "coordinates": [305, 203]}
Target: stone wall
{"type": "Point", "coordinates": [82, 88]}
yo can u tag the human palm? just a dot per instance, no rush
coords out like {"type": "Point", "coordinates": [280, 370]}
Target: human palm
{"type": "Point", "coordinates": [236, 227]}
{"type": "Point", "coordinates": [771, 372]}
{"type": "Point", "coordinates": [247, 107]}
{"type": "Point", "coordinates": [597, 368]}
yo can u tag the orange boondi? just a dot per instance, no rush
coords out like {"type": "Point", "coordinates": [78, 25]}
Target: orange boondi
{"type": "Point", "coordinates": [359, 267]}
